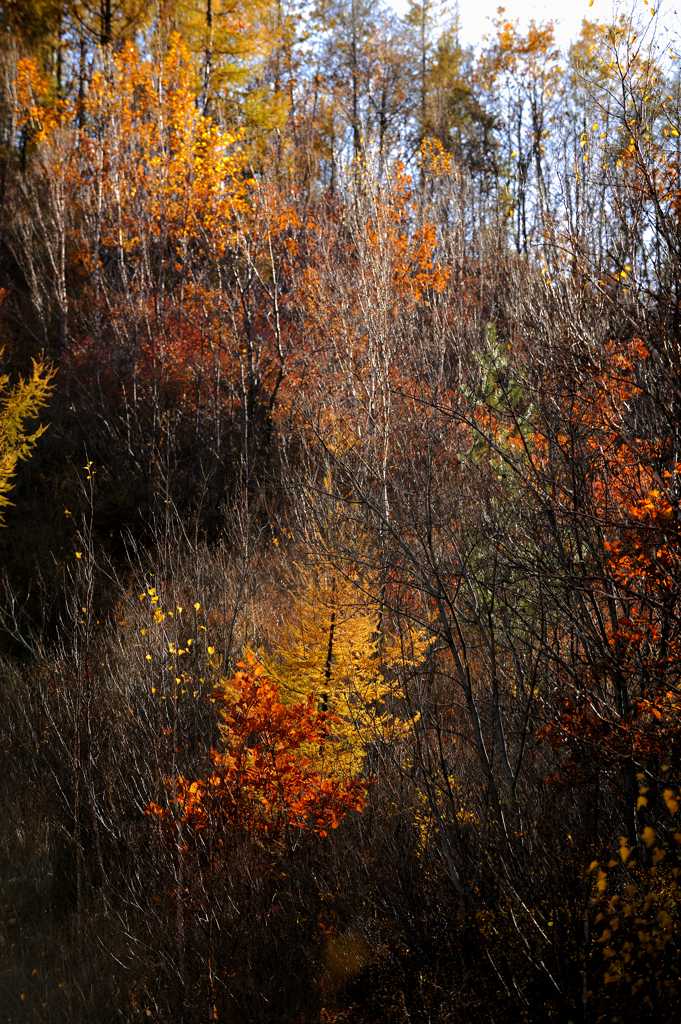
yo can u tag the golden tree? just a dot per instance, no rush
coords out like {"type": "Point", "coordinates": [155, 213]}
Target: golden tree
{"type": "Point", "coordinates": [19, 404]}
{"type": "Point", "coordinates": [337, 647]}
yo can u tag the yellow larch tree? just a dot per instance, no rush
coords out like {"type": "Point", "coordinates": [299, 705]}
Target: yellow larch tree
{"type": "Point", "coordinates": [231, 43]}
{"type": "Point", "coordinates": [336, 645]}
{"type": "Point", "coordinates": [20, 403]}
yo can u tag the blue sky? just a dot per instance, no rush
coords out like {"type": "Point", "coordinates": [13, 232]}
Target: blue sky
{"type": "Point", "coordinates": [476, 15]}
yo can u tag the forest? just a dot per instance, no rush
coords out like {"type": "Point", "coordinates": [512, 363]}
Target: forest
{"type": "Point", "coordinates": [340, 533]}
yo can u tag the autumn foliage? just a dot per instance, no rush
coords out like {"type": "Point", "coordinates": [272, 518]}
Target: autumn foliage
{"type": "Point", "coordinates": [340, 622]}
{"type": "Point", "coordinates": [262, 778]}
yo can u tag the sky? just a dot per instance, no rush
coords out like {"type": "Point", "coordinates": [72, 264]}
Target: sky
{"type": "Point", "coordinates": [476, 15]}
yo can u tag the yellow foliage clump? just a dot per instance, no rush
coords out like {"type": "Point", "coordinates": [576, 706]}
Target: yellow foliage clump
{"type": "Point", "coordinates": [172, 173]}
{"type": "Point", "coordinates": [335, 645]}
{"type": "Point", "coordinates": [19, 404]}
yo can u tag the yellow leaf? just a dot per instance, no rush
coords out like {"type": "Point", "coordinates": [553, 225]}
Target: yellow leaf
{"type": "Point", "coordinates": [648, 835]}
{"type": "Point", "coordinates": [671, 800]}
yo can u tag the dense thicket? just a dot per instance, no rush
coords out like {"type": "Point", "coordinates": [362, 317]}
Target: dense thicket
{"type": "Point", "coordinates": [339, 611]}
